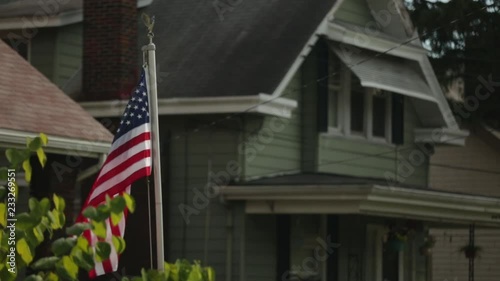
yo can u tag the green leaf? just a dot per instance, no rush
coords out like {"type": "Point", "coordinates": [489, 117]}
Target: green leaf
{"type": "Point", "coordinates": [34, 144]}
{"type": "Point", "coordinates": [103, 212]}
{"type": "Point", "coordinates": [116, 218]}
{"type": "Point", "coordinates": [5, 275]}
{"type": "Point", "coordinates": [51, 277]}
{"type": "Point", "coordinates": [26, 221]}
{"type": "Point", "coordinates": [33, 277]}
{"type": "Point", "coordinates": [195, 274]}
{"type": "Point", "coordinates": [82, 244]}
{"type": "Point", "coordinates": [23, 249]}
{"type": "Point", "coordinates": [16, 156]}
{"type": "Point", "coordinates": [90, 212]}
{"type": "Point", "coordinates": [67, 269]}
{"type": "Point", "coordinates": [78, 228]}
{"type": "Point", "coordinates": [102, 250]}
{"type": "Point", "coordinates": [118, 204]}
{"type": "Point", "coordinates": [34, 204]}
{"type": "Point", "coordinates": [3, 214]}
{"type": "Point", "coordinates": [27, 170]}
{"type": "Point", "coordinates": [3, 173]}
{"type": "Point", "coordinates": [63, 246]}
{"type": "Point", "coordinates": [46, 263]}
{"type": "Point", "coordinates": [59, 202]}
{"type": "Point", "coordinates": [54, 218]}
{"type": "Point", "coordinates": [42, 158]}
{"type": "Point", "coordinates": [129, 201]}
{"type": "Point", "coordinates": [38, 232]}
{"type": "Point", "coordinates": [210, 273]}
{"type": "Point", "coordinates": [83, 260]}
{"type": "Point", "coordinates": [3, 192]}
{"type": "Point", "coordinates": [44, 139]}
{"type": "Point", "coordinates": [44, 206]}
{"type": "Point", "coordinates": [119, 244]}
{"type": "Point", "coordinates": [99, 228]}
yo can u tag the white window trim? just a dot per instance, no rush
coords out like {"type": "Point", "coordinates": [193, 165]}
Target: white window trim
{"type": "Point", "coordinates": [343, 112]}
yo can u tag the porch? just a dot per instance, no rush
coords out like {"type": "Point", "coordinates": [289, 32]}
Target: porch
{"type": "Point", "coordinates": [345, 232]}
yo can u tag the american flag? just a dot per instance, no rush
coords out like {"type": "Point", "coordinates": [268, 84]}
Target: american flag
{"type": "Point", "coordinates": [129, 160]}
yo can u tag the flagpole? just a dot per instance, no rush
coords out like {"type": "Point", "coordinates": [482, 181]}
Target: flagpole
{"type": "Point", "coordinates": [149, 50]}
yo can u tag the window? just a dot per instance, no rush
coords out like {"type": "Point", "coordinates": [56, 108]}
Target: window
{"type": "Point", "coordinates": [355, 110]}
{"type": "Point", "coordinates": [22, 48]}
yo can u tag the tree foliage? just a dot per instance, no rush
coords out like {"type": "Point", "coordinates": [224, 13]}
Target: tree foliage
{"type": "Point", "coordinates": [464, 42]}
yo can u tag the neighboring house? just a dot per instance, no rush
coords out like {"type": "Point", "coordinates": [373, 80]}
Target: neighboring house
{"type": "Point", "coordinates": [287, 128]}
{"type": "Point", "coordinates": [30, 105]}
{"type": "Point", "coordinates": [470, 169]}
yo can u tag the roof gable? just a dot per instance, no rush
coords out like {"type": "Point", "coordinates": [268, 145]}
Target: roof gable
{"type": "Point", "coordinates": [31, 103]}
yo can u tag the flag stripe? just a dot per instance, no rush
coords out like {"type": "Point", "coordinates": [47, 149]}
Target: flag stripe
{"type": "Point", "coordinates": [128, 162]}
{"type": "Point", "coordinates": [141, 146]}
{"type": "Point", "coordinates": [139, 173]}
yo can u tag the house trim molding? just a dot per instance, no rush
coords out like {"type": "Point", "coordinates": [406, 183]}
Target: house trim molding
{"type": "Point", "coordinates": [261, 103]}
{"type": "Point", "coordinates": [385, 201]}
{"type": "Point", "coordinates": [441, 136]}
{"type": "Point", "coordinates": [56, 144]}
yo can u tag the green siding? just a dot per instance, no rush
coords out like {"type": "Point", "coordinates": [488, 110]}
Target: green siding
{"type": "Point", "coordinates": [270, 149]}
{"type": "Point", "coordinates": [354, 11]}
{"type": "Point", "coordinates": [68, 59]}
{"type": "Point", "coordinates": [186, 159]}
{"type": "Point", "coordinates": [361, 158]}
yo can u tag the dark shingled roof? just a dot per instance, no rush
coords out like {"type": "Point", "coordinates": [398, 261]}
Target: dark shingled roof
{"type": "Point", "coordinates": [246, 52]}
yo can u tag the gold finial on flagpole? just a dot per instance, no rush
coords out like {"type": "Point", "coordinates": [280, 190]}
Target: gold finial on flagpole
{"type": "Point", "coordinates": [149, 22]}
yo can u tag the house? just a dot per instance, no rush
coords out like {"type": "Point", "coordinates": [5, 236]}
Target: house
{"type": "Point", "coordinates": [32, 104]}
{"type": "Point", "coordinates": [296, 135]}
{"type": "Point", "coordinates": [470, 169]}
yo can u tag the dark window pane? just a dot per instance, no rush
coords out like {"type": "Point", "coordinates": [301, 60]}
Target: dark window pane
{"type": "Point", "coordinates": [333, 108]}
{"type": "Point", "coordinates": [20, 47]}
{"type": "Point", "coordinates": [390, 263]}
{"type": "Point", "coordinates": [357, 105]}
{"type": "Point", "coordinates": [379, 115]}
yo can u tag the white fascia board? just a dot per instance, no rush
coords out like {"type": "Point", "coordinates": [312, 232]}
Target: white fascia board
{"type": "Point", "coordinates": [336, 32]}
{"type": "Point", "coordinates": [56, 144]}
{"type": "Point", "coordinates": [261, 103]}
{"type": "Point", "coordinates": [320, 30]}
{"type": "Point", "coordinates": [62, 19]}
{"type": "Point", "coordinates": [441, 136]}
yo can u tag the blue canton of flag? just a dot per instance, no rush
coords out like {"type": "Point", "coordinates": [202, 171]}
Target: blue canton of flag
{"type": "Point", "coordinates": [137, 112]}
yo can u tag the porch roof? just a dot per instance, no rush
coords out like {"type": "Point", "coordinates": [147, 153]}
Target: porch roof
{"type": "Point", "coordinates": [368, 199]}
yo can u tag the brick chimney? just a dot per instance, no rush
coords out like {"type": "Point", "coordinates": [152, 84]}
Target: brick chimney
{"type": "Point", "coordinates": [110, 50]}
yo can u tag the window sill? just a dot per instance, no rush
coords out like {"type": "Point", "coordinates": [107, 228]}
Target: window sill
{"type": "Point", "coordinates": [357, 138]}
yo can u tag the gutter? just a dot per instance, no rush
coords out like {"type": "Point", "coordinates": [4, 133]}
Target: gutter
{"type": "Point", "coordinates": [56, 145]}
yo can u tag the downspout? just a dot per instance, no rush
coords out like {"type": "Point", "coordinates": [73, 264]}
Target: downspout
{"type": "Point", "coordinates": [91, 170]}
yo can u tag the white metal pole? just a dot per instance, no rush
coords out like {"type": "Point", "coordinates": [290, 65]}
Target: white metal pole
{"type": "Point", "coordinates": [149, 50]}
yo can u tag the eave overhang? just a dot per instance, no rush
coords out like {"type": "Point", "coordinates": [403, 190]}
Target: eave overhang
{"type": "Point", "coordinates": [261, 103]}
{"type": "Point", "coordinates": [374, 200]}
